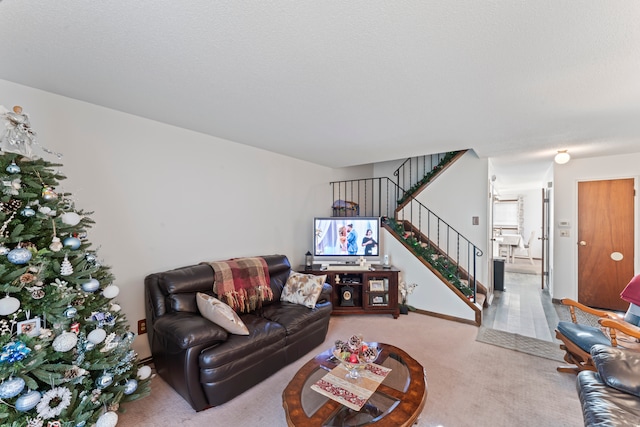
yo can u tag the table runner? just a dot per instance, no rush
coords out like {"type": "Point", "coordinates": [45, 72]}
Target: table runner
{"type": "Point", "coordinates": [351, 393]}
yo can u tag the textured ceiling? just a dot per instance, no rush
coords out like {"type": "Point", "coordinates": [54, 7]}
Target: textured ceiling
{"type": "Point", "coordinates": [345, 83]}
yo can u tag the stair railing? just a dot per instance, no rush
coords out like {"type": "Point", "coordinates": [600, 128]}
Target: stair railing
{"type": "Point", "coordinates": [427, 235]}
{"type": "Point", "coordinates": [416, 171]}
{"type": "Point", "coordinates": [435, 240]}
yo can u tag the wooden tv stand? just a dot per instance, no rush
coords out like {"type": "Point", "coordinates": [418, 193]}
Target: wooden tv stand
{"type": "Point", "coordinates": [362, 291]}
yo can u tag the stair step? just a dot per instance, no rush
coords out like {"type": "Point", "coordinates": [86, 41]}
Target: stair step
{"type": "Point", "coordinates": [480, 299]}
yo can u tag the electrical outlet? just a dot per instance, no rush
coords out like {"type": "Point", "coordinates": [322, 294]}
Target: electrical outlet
{"type": "Point", "coordinates": [142, 326]}
{"type": "Point", "coordinates": [565, 233]}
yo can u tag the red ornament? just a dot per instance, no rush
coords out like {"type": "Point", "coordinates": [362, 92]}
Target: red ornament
{"type": "Point", "coordinates": [75, 327]}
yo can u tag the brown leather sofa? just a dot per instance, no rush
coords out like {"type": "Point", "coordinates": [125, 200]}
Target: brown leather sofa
{"type": "Point", "coordinates": [611, 396]}
{"type": "Point", "coordinates": [208, 366]}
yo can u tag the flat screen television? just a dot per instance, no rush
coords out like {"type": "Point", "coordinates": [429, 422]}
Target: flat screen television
{"type": "Point", "coordinates": [342, 237]}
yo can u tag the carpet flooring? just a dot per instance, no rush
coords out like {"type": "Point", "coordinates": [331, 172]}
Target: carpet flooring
{"type": "Point", "coordinates": [470, 383]}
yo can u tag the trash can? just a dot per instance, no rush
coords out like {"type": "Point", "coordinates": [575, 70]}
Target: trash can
{"type": "Point", "coordinates": [498, 275]}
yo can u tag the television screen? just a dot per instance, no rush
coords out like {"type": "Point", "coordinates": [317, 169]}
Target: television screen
{"type": "Point", "coordinates": [346, 236]}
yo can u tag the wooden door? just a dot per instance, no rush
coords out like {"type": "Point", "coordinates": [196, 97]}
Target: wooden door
{"type": "Point", "coordinates": [605, 241]}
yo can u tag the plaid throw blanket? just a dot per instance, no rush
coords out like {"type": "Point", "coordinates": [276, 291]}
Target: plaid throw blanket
{"type": "Point", "coordinates": [242, 283]}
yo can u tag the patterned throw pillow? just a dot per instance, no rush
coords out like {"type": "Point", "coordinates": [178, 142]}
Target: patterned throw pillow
{"type": "Point", "coordinates": [220, 314]}
{"type": "Point", "coordinates": [303, 289]}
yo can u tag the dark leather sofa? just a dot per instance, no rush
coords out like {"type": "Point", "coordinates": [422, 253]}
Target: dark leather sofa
{"type": "Point", "coordinates": [611, 396]}
{"type": "Point", "coordinates": [208, 366]}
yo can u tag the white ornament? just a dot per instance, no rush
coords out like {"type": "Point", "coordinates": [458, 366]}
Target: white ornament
{"type": "Point", "coordinates": [70, 218]}
{"type": "Point", "coordinates": [111, 291]}
{"type": "Point", "coordinates": [65, 342]}
{"type": "Point", "coordinates": [60, 397]}
{"type": "Point", "coordinates": [9, 305]}
{"type": "Point", "coordinates": [115, 308]}
{"type": "Point", "coordinates": [66, 269]}
{"type": "Point", "coordinates": [108, 419]}
{"type": "Point", "coordinates": [56, 244]}
{"type": "Point", "coordinates": [144, 372]}
{"type": "Point", "coordinates": [97, 336]}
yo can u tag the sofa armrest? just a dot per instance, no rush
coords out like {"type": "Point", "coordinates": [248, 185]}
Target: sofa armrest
{"type": "Point", "coordinates": [180, 331]}
{"type": "Point", "coordinates": [325, 294]}
{"type": "Point", "coordinates": [618, 367]}
{"type": "Point", "coordinates": [178, 340]}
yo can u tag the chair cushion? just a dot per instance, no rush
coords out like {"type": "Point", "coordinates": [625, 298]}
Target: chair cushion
{"type": "Point", "coordinates": [583, 336]}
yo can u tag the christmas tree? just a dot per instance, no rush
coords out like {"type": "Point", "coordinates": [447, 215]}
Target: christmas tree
{"type": "Point", "coordinates": [65, 348]}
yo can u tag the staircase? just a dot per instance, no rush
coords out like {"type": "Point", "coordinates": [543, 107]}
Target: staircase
{"type": "Point", "coordinates": [449, 255]}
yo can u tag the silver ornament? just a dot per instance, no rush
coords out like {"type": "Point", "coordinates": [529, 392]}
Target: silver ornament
{"type": "Point", "coordinates": [88, 346]}
{"type": "Point", "coordinates": [13, 168]}
{"type": "Point", "coordinates": [130, 386]}
{"type": "Point", "coordinates": [91, 286]}
{"type": "Point", "coordinates": [104, 380]}
{"type": "Point", "coordinates": [48, 194]}
{"type": "Point", "coordinates": [70, 312]}
{"type": "Point", "coordinates": [11, 387]}
{"type": "Point", "coordinates": [4, 250]}
{"type": "Point", "coordinates": [19, 256]}
{"type": "Point", "coordinates": [28, 211]}
{"type": "Point", "coordinates": [28, 401]}
{"type": "Point", "coordinates": [72, 242]}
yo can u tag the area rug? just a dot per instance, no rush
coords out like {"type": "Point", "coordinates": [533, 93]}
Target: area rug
{"type": "Point", "coordinates": [523, 266]}
{"type": "Point", "coordinates": [521, 343]}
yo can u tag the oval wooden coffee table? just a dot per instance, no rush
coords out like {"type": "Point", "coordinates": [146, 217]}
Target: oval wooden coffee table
{"type": "Point", "coordinates": [398, 400]}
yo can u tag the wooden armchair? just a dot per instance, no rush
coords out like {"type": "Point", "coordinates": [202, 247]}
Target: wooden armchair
{"type": "Point", "coordinates": [608, 328]}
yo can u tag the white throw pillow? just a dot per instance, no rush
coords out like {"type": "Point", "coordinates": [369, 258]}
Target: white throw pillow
{"type": "Point", "coordinates": [220, 314]}
{"type": "Point", "coordinates": [303, 289]}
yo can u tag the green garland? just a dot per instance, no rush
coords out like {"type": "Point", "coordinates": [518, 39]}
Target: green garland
{"type": "Point", "coordinates": [428, 176]}
{"type": "Point", "coordinates": [442, 264]}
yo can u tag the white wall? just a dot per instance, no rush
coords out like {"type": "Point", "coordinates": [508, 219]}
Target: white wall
{"type": "Point", "coordinates": [565, 196]}
{"type": "Point", "coordinates": [164, 197]}
{"type": "Point", "coordinates": [459, 194]}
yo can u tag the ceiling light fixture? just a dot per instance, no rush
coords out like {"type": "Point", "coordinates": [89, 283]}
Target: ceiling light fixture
{"type": "Point", "coordinates": [562, 157]}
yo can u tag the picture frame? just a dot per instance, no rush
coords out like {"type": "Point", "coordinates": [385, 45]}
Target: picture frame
{"type": "Point", "coordinates": [376, 285]}
{"type": "Point", "coordinates": [30, 327]}
{"type": "Point", "coordinates": [378, 300]}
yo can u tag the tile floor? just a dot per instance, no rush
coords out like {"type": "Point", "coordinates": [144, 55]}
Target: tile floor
{"type": "Point", "coordinates": [522, 308]}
